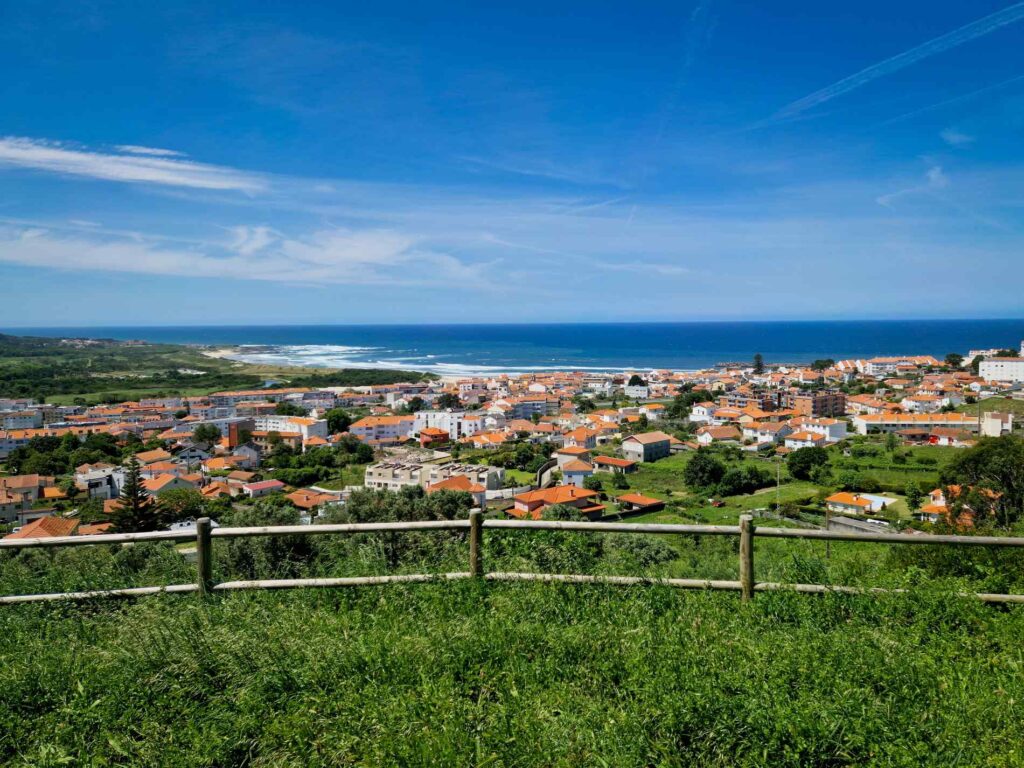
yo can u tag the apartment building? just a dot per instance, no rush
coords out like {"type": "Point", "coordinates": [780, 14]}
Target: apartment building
{"type": "Point", "coordinates": [1002, 369]}
{"type": "Point", "coordinates": [824, 403]}
{"type": "Point", "coordinates": [393, 475]}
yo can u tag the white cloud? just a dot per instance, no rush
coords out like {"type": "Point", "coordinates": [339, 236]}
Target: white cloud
{"type": "Point", "coordinates": [135, 149]}
{"type": "Point", "coordinates": [249, 240]}
{"type": "Point", "coordinates": [54, 157]}
{"type": "Point", "coordinates": [956, 138]}
{"type": "Point", "coordinates": [374, 257]}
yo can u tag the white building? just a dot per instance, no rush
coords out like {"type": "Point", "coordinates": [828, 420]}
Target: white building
{"type": "Point", "coordinates": [457, 424]}
{"type": "Point", "coordinates": [304, 425]}
{"type": "Point", "coordinates": [22, 420]}
{"type": "Point", "coordinates": [702, 413]}
{"type": "Point", "coordinates": [996, 424]}
{"type": "Point", "coordinates": [1002, 369]}
{"type": "Point", "coordinates": [834, 430]}
{"type": "Point", "coordinates": [384, 430]}
{"type": "Point", "coordinates": [392, 475]}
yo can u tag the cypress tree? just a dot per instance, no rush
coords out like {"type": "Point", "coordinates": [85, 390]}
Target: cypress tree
{"type": "Point", "coordinates": [136, 510]}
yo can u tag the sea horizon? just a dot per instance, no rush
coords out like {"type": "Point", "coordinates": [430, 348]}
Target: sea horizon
{"type": "Point", "coordinates": [491, 348]}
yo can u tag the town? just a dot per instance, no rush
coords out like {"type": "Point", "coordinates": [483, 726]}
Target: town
{"type": "Point", "coordinates": [856, 443]}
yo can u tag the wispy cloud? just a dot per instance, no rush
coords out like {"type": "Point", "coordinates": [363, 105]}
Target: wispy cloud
{"type": "Point", "coordinates": [955, 100]}
{"type": "Point", "coordinates": [135, 149]}
{"type": "Point", "coordinates": [956, 138]}
{"type": "Point", "coordinates": [935, 180]}
{"type": "Point", "coordinates": [935, 46]}
{"type": "Point", "coordinates": [642, 267]}
{"type": "Point", "coordinates": [544, 168]}
{"type": "Point", "coordinates": [333, 256]}
{"type": "Point", "coordinates": [55, 157]}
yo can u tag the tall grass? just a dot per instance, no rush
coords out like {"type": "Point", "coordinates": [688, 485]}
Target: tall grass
{"type": "Point", "coordinates": [512, 675]}
{"type": "Point", "coordinates": [466, 673]}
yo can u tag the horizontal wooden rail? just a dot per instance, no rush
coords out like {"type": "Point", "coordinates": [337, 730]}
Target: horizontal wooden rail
{"type": "Point", "coordinates": [582, 578]}
{"type": "Point", "coordinates": [572, 525]}
{"type": "Point", "coordinates": [100, 538]}
{"type": "Point", "coordinates": [316, 530]}
{"type": "Point", "coordinates": [96, 593]}
{"type": "Point", "coordinates": [344, 581]}
{"type": "Point", "coordinates": [890, 538]}
{"type": "Point", "coordinates": [475, 525]}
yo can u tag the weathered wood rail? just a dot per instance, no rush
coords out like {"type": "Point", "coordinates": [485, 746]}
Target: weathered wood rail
{"type": "Point", "coordinates": [475, 526]}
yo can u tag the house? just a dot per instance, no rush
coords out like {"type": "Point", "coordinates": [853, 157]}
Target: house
{"type": "Point", "coordinates": [29, 487]}
{"type": "Point", "coordinates": [309, 500]}
{"type": "Point", "coordinates": [804, 439]}
{"type": "Point", "coordinates": [938, 510]}
{"type": "Point", "coordinates": [262, 488]}
{"type": "Point", "coordinates": [581, 437]}
{"type": "Point", "coordinates": [576, 471]}
{"type": "Point", "coordinates": [221, 464]}
{"type": "Point", "coordinates": [614, 465]}
{"type": "Point", "coordinates": [531, 505]}
{"type": "Point", "coordinates": [834, 430]}
{"type": "Point", "coordinates": [634, 502]}
{"type": "Point", "coordinates": [726, 434]}
{"type": "Point", "coordinates": [11, 505]}
{"type": "Point", "coordinates": [433, 437]}
{"type": "Point", "coordinates": [48, 526]}
{"type": "Point", "coordinates": [647, 446]}
{"type": "Point", "coordinates": [247, 455]}
{"type": "Point", "coordinates": [216, 490]}
{"type": "Point", "coordinates": [703, 412]}
{"type": "Point", "coordinates": [765, 433]}
{"type": "Point", "coordinates": [99, 481]}
{"type": "Point", "coordinates": [267, 440]}
{"type": "Point", "coordinates": [571, 453]}
{"type": "Point", "coordinates": [951, 438]}
{"type": "Point", "coordinates": [653, 411]}
{"type": "Point", "coordinates": [856, 503]}
{"type": "Point", "coordinates": [638, 391]}
{"type": "Point", "coordinates": [163, 483]}
{"type": "Point", "coordinates": [151, 457]}
{"type": "Point", "coordinates": [463, 484]}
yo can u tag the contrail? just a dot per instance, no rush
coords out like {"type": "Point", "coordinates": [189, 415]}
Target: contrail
{"type": "Point", "coordinates": [954, 100]}
{"type": "Point", "coordinates": [952, 39]}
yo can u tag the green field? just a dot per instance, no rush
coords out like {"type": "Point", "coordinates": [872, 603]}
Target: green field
{"type": "Point", "coordinates": [107, 370]}
{"type": "Point", "coordinates": [999, 404]}
{"type": "Point", "coordinates": [352, 474]}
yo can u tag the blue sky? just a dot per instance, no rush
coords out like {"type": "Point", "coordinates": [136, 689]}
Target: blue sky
{"type": "Point", "coordinates": [464, 162]}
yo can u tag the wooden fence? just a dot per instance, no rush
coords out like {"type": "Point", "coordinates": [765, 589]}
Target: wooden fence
{"type": "Point", "coordinates": [475, 526]}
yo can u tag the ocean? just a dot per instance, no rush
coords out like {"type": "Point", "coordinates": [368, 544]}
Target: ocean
{"type": "Point", "coordinates": [483, 349]}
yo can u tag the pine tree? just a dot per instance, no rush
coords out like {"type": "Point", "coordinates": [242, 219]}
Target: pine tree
{"type": "Point", "coordinates": [758, 363]}
{"type": "Point", "coordinates": [136, 510]}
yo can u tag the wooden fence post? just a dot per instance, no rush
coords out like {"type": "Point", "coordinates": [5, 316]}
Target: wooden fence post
{"type": "Point", "coordinates": [204, 556]}
{"type": "Point", "coordinates": [747, 557]}
{"type": "Point", "coordinates": [476, 543]}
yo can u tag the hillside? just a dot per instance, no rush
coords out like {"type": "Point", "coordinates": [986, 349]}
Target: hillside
{"type": "Point", "coordinates": [104, 370]}
{"type": "Point", "coordinates": [513, 675]}
{"type": "Point", "coordinates": [510, 674]}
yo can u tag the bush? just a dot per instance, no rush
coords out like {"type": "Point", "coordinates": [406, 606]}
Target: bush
{"type": "Point", "coordinates": [703, 470]}
{"type": "Point", "coordinates": [802, 461]}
